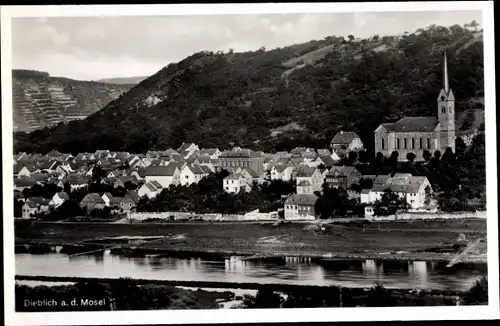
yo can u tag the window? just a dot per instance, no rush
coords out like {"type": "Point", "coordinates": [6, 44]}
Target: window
{"type": "Point", "coordinates": [450, 110]}
{"type": "Point", "coordinates": [443, 109]}
{"type": "Point", "coordinates": [404, 143]}
{"type": "Point", "coordinates": [420, 142]}
{"type": "Point", "coordinates": [187, 177]}
{"type": "Point", "coordinates": [428, 143]}
{"type": "Point", "coordinates": [383, 143]}
{"type": "Point", "coordinates": [413, 143]}
{"type": "Point", "coordinates": [397, 143]}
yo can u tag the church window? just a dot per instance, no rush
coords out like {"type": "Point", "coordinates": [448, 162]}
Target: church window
{"type": "Point", "coordinates": [450, 110]}
{"type": "Point", "coordinates": [404, 143]}
{"type": "Point", "coordinates": [413, 143]}
{"type": "Point", "coordinates": [397, 143]}
{"type": "Point", "coordinates": [420, 142]}
{"type": "Point", "coordinates": [428, 143]}
{"type": "Point", "coordinates": [383, 143]}
{"type": "Point", "coordinates": [443, 109]}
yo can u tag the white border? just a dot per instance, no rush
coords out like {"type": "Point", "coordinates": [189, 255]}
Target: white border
{"type": "Point", "coordinates": [266, 315]}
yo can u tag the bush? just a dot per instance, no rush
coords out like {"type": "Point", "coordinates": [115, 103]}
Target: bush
{"type": "Point", "coordinates": [379, 296]}
{"type": "Point", "coordinates": [478, 293]}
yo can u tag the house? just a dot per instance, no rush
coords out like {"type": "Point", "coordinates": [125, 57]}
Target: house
{"type": "Point", "coordinates": [412, 188]}
{"type": "Point", "coordinates": [58, 199]}
{"type": "Point", "coordinates": [308, 179]}
{"type": "Point", "coordinates": [29, 209]}
{"type": "Point", "coordinates": [92, 201]}
{"type": "Point", "coordinates": [150, 189]}
{"type": "Point", "coordinates": [192, 173]}
{"type": "Point", "coordinates": [187, 149]}
{"type": "Point", "coordinates": [419, 134]}
{"type": "Point", "coordinates": [328, 160]}
{"type": "Point", "coordinates": [164, 175]}
{"type": "Point", "coordinates": [115, 174]}
{"type": "Point", "coordinates": [343, 177]}
{"type": "Point", "coordinates": [134, 161]}
{"type": "Point", "coordinates": [346, 141]}
{"type": "Point", "coordinates": [107, 198]}
{"type": "Point", "coordinates": [213, 153]}
{"type": "Point", "coordinates": [250, 175]}
{"type": "Point", "coordinates": [235, 182]}
{"type": "Point", "coordinates": [102, 153]}
{"type": "Point", "coordinates": [115, 204]}
{"type": "Point", "coordinates": [281, 172]}
{"type": "Point", "coordinates": [22, 171]}
{"type": "Point", "coordinates": [76, 181]}
{"type": "Point", "coordinates": [129, 201]}
{"type": "Point", "coordinates": [300, 207]}
{"type": "Point", "coordinates": [35, 205]}
{"type": "Point", "coordinates": [122, 180]}
{"type": "Point", "coordinates": [18, 195]}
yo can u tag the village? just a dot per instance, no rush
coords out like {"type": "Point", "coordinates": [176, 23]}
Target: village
{"type": "Point", "coordinates": [158, 170]}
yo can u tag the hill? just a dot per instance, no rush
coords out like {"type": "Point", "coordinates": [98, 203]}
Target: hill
{"type": "Point", "coordinates": [318, 88]}
{"type": "Point", "coordinates": [40, 100]}
{"type": "Point", "coordinates": [123, 80]}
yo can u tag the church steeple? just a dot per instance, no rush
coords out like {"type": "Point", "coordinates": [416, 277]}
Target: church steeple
{"type": "Point", "coordinates": [446, 112]}
{"type": "Point", "coordinates": [446, 85]}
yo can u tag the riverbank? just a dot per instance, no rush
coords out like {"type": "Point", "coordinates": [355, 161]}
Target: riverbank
{"type": "Point", "coordinates": [426, 240]}
{"type": "Point", "coordinates": [128, 294]}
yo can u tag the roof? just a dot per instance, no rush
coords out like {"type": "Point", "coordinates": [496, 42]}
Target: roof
{"type": "Point", "coordinates": [150, 186]}
{"type": "Point", "coordinates": [324, 151]}
{"type": "Point", "coordinates": [167, 170]}
{"type": "Point", "coordinates": [344, 137]}
{"type": "Point", "coordinates": [63, 195]}
{"type": "Point", "coordinates": [341, 171]}
{"type": "Point", "coordinates": [251, 171]}
{"type": "Point", "coordinates": [31, 204]}
{"type": "Point", "coordinates": [233, 176]}
{"type": "Point", "coordinates": [156, 184]}
{"type": "Point", "coordinates": [76, 179]}
{"type": "Point", "coordinates": [327, 160]}
{"type": "Point", "coordinates": [39, 200]}
{"type": "Point", "coordinates": [184, 147]}
{"type": "Point", "coordinates": [304, 171]}
{"type": "Point", "coordinates": [115, 201]}
{"type": "Point", "coordinates": [301, 199]}
{"type": "Point", "coordinates": [280, 168]}
{"type": "Point", "coordinates": [132, 195]}
{"type": "Point", "coordinates": [205, 169]}
{"type": "Point", "coordinates": [196, 169]}
{"type": "Point", "coordinates": [304, 183]}
{"type": "Point", "coordinates": [239, 153]}
{"type": "Point", "coordinates": [94, 198]}
{"type": "Point", "coordinates": [412, 124]}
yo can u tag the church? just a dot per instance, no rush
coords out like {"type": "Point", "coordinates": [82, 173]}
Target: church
{"type": "Point", "coordinates": [417, 134]}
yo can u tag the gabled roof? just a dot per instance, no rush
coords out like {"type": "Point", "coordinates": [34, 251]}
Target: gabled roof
{"type": "Point", "coordinates": [301, 199]}
{"type": "Point", "coordinates": [251, 172]}
{"type": "Point", "coordinates": [167, 170]}
{"type": "Point", "coordinates": [39, 200]}
{"type": "Point", "coordinates": [132, 195]}
{"type": "Point", "coordinates": [341, 171]}
{"type": "Point", "coordinates": [24, 182]}
{"type": "Point", "coordinates": [63, 195]}
{"type": "Point", "coordinates": [344, 137]}
{"type": "Point", "coordinates": [412, 124]}
{"type": "Point", "coordinates": [205, 169]}
{"type": "Point", "coordinates": [156, 184]}
{"type": "Point", "coordinates": [93, 197]}
{"type": "Point", "coordinates": [239, 153]}
{"type": "Point", "coordinates": [327, 160]}
{"type": "Point", "coordinates": [304, 171]}
{"type": "Point", "coordinates": [115, 201]}
{"type": "Point", "coordinates": [304, 183]}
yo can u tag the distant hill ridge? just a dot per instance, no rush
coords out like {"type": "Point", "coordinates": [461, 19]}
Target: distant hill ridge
{"type": "Point", "coordinates": [123, 80]}
{"type": "Point", "coordinates": [40, 100]}
{"type": "Point", "coordinates": [248, 99]}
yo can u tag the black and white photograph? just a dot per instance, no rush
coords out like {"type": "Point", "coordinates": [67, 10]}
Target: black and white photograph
{"type": "Point", "coordinates": [228, 158]}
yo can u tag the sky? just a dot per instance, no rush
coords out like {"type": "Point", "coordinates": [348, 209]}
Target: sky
{"type": "Point", "coordinates": [92, 48]}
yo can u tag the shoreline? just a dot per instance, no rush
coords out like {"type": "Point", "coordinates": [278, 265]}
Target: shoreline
{"type": "Point", "coordinates": [277, 287]}
{"type": "Point", "coordinates": [131, 251]}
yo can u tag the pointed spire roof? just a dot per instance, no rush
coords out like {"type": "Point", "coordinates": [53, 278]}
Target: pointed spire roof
{"type": "Point", "coordinates": [446, 85]}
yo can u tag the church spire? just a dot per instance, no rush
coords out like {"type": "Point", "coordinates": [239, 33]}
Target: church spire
{"type": "Point", "coordinates": [446, 86]}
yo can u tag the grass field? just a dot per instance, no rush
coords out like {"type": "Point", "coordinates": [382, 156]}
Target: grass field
{"type": "Point", "coordinates": [422, 240]}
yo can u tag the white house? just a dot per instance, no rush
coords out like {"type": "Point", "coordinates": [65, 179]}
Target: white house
{"type": "Point", "coordinates": [281, 172]}
{"type": "Point", "coordinates": [300, 207]}
{"type": "Point", "coordinates": [150, 189]}
{"type": "Point", "coordinates": [412, 188]}
{"type": "Point", "coordinates": [107, 197]}
{"type": "Point", "coordinates": [164, 175]}
{"type": "Point", "coordinates": [192, 173]}
{"type": "Point", "coordinates": [59, 198]}
{"type": "Point", "coordinates": [236, 182]}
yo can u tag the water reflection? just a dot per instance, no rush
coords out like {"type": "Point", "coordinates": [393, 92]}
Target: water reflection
{"type": "Point", "coordinates": [291, 270]}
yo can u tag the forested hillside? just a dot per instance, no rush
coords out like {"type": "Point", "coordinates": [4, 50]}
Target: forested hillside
{"type": "Point", "coordinates": [278, 99]}
{"type": "Point", "coordinates": [40, 100]}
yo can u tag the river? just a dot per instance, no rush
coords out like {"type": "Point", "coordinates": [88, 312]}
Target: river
{"type": "Point", "coordinates": [286, 270]}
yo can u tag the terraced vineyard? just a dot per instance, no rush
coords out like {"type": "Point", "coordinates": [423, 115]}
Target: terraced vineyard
{"type": "Point", "coordinates": [40, 100]}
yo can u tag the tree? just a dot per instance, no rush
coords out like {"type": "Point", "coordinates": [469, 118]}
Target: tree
{"type": "Point", "coordinates": [427, 200]}
{"type": "Point", "coordinates": [448, 156]}
{"type": "Point", "coordinates": [375, 37]}
{"type": "Point", "coordinates": [390, 203]}
{"type": "Point", "coordinates": [437, 154]}
{"type": "Point", "coordinates": [474, 24]}
{"type": "Point", "coordinates": [353, 156]}
{"type": "Point", "coordinates": [264, 299]}
{"type": "Point", "coordinates": [350, 37]}
{"type": "Point", "coordinates": [366, 183]}
{"type": "Point", "coordinates": [67, 188]}
{"type": "Point", "coordinates": [478, 293]}
{"type": "Point", "coordinates": [411, 157]}
{"type": "Point", "coordinates": [379, 296]}
{"type": "Point", "coordinates": [393, 159]}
